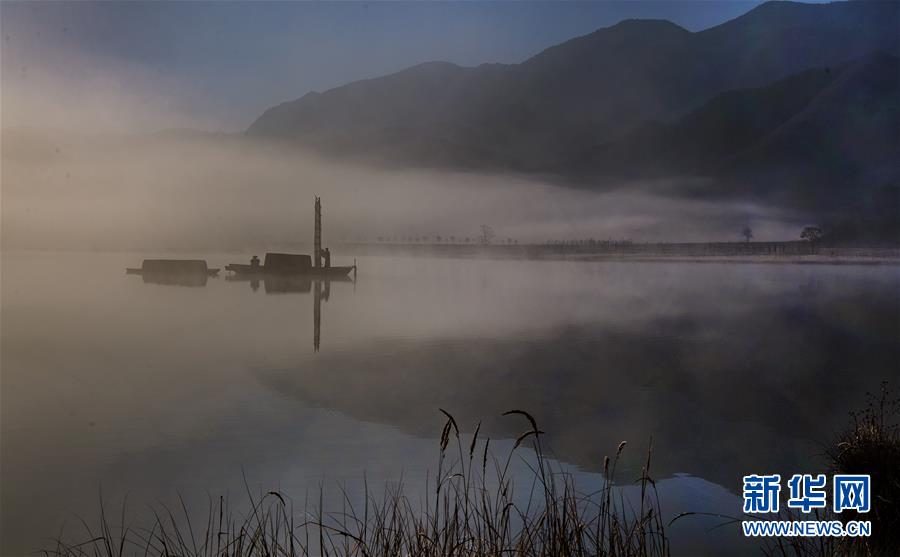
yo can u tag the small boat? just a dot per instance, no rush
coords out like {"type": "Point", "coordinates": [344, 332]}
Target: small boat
{"type": "Point", "coordinates": [288, 264]}
{"type": "Point", "coordinates": [173, 267]}
{"type": "Point", "coordinates": [296, 265]}
{"type": "Point", "coordinates": [178, 272]}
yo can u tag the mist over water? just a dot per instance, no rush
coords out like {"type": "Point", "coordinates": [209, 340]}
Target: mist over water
{"type": "Point", "coordinates": [146, 389]}
{"type": "Point", "coordinates": [183, 190]}
{"type": "Point", "coordinates": [99, 153]}
{"type": "Point", "coordinates": [150, 388]}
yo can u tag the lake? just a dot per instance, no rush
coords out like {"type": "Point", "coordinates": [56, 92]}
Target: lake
{"type": "Point", "coordinates": [150, 390]}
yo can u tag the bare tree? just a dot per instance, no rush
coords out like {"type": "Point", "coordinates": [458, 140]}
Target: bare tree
{"type": "Point", "coordinates": [812, 234]}
{"type": "Point", "coordinates": [487, 234]}
{"type": "Point", "coordinates": [747, 233]}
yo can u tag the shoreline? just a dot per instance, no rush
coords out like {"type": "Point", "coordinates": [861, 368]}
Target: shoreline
{"type": "Point", "coordinates": [749, 259]}
{"type": "Point", "coordinates": [769, 254]}
{"type": "Point", "coordinates": [793, 253]}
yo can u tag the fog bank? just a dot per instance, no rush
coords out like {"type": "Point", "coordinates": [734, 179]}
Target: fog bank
{"type": "Point", "coordinates": [193, 190]}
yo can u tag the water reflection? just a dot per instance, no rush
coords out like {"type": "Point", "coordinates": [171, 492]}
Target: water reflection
{"type": "Point", "coordinates": [282, 284]}
{"type": "Point", "coordinates": [275, 284]}
{"type": "Point", "coordinates": [149, 391]}
{"type": "Point", "coordinates": [317, 314]}
{"type": "Point", "coordinates": [723, 390]}
{"type": "Point", "coordinates": [175, 279]}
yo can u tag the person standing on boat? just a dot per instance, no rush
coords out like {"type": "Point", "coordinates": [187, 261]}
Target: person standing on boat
{"type": "Point", "coordinates": [327, 253]}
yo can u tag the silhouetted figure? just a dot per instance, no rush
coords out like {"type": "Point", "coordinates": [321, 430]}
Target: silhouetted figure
{"type": "Point", "coordinates": [327, 252]}
{"type": "Point", "coordinates": [254, 262]}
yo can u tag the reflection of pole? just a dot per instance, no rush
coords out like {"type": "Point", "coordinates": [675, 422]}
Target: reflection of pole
{"type": "Point", "coordinates": [317, 314]}
{"type": "Point", "coordinates": [317, 238]}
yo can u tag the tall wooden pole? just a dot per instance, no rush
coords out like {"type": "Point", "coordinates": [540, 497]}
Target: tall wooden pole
{"type": "Point", "coordinates": [317, 239]}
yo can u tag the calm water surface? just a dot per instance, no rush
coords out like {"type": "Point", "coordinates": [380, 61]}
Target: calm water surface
{"type": "Point", "coordinates": [151, 390]}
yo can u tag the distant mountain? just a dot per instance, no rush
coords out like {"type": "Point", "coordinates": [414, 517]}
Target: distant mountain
{"type": "Point", "coordinates": [825, 140]}
{"type": "Point", "coordinates": [848, 135]}
{"type": "Point", "coordinates": [770, 103]}
{"type": "Point", "coordinates": [707, 139]}
{"type": "Point", "coordinates": [824, 126]}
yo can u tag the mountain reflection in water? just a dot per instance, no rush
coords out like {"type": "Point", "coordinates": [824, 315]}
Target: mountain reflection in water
{"type": "Point", "coordinates": [758, 382]}
{"type": "Point", "coordinates": [147, 389]}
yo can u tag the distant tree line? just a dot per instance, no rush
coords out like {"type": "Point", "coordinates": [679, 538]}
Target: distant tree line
{"type": "Point", "coordinates": [486, 236]}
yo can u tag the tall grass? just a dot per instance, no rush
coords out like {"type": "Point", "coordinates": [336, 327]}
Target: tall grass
{"type": "Point", "coordinates": [470, 508]}
{"type": "Point", "coordinates": [870, 445]}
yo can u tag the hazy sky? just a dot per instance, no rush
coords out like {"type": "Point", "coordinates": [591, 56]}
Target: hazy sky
{"type": "Point", "coordinates": [218, 65]}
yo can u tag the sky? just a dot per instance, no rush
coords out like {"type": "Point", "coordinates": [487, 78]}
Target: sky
{"type": "Point", "coordinates": [219, 65]}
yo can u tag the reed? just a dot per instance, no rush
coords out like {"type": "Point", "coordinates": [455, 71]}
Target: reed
{"type": "Point", "coordinates": [470, 508]}
{"type": "Point", "coordinates": [870, 445]}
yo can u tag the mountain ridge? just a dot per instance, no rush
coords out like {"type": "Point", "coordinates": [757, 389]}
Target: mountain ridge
{"type": "Point", "coordinates": [574, 109]}
{"type": "Point", "coordinates": [563, 92]}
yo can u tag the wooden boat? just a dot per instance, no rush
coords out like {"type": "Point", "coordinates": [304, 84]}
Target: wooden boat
{"type": "Point", "coordinates": [173, 267]}
{"type": "Point", "coordinates": [288, 264]}
{"type": "Point", "coordinates": [174, 272]}
{"type": "Point", "coordinates": [298, 265]}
